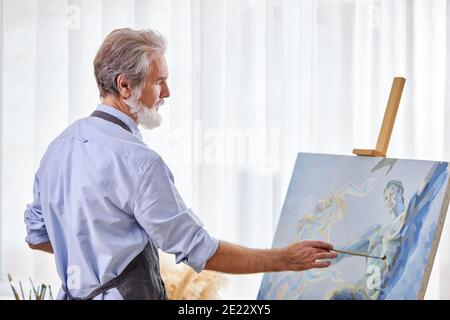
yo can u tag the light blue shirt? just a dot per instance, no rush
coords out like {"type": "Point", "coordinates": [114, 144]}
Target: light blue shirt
{"type": "Point", "coordinates": [100, 194]}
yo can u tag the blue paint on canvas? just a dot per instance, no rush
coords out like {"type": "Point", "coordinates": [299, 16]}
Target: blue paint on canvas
{"type": "Point", "coordinates": [381, 207]}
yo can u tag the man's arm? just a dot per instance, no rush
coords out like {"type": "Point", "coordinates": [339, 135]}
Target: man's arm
{"type": "Point", "coordinates": [46, 246]}
{"type": "Point", "coordinates": [175, 229]}
{"type": "Point", "coordinates": [299, 256]}
{"type": "Point", "coordinates": [37, 237]}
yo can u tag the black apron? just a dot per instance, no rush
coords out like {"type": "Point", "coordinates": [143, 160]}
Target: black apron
{"type": "Point", "coordinates": [141, 279]}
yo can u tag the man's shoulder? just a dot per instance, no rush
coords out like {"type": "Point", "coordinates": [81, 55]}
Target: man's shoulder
{"type": "Point", "coordinates": [143, 155]}
{"type": "Point", "coordinates": [120, 144]}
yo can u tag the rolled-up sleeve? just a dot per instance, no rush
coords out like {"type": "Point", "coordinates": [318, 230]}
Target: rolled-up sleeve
{"type": "Point", "coordinates": [34, 221]}
{"type": "Point", "coordinates": [174, 228]}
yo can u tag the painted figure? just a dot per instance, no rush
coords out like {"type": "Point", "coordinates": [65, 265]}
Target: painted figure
{"type": "Point", "coordinates": [317, 225]}
{"type": "Point", "coordinates": [396, 239]}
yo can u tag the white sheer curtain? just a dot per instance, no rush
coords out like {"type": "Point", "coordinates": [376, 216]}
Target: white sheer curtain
{"type": "Point", "coordinates": [253, 82]}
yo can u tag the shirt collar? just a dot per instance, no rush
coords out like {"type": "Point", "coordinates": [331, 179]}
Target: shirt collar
{"type": "Point", "coordinates": [121, 116]}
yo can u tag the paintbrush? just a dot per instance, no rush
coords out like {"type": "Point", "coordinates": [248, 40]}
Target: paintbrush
{"type": "Point", "coordinates": [21, 290]}
{"type": "Point", "coordinates": [358, 254]}
{"type": "Point", "coordinates": [34, 289]}
{"type": "Point", "coordinates": [43, 290]}
{"type": "Point", "coordinates": [50, 291]}
{"type": "Point", "coordinates": [38, 290]}
{"type": "Point", "coordinates": [16, 295]}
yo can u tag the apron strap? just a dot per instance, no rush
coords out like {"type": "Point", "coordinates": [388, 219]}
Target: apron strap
{"type": "Point", "coordinates": [110, 118]}
{"type": "Point", "coordinates": [99, 290]}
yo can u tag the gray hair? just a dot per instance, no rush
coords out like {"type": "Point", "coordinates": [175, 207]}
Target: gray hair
{"type": "Point", "coordinates": [128, 52]}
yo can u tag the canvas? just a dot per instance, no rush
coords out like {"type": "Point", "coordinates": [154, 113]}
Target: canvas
{"type": "Point", "coordinates": [382, 207]}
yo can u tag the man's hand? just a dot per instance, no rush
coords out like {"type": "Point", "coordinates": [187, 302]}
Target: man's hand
{"type": "Point", "coordinates": [305, 255]}
{"type": "Point", "coordinates": [46, 246]}
{"type": "Point", "coordinates": [299, 256]}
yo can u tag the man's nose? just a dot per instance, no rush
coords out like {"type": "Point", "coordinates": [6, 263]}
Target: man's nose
{"type": "Point", "coordinates": [165, 93]}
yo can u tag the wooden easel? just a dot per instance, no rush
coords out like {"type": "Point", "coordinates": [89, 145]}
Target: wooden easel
{"type": "Point", "coordinates": [380, 151]}
{"type": "Point", "coordinates": [388, 121]}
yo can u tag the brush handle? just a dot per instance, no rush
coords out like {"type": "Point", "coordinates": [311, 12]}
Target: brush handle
{"type": "Point", "coordinates": [357, 254]}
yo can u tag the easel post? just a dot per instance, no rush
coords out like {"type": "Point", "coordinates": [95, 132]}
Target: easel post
{"type": "Point", "coordinates": [388, 121]}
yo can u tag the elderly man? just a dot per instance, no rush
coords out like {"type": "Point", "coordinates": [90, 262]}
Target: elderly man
{"type": "Point", "coordinates": [104, 201]}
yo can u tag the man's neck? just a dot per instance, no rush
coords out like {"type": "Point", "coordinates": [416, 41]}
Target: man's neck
{"type": "Point", "coordinates": [117, 104]}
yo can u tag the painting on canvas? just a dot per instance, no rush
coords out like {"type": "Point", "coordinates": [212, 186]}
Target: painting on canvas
{"type": "Point", "coordinates": [390, 209]}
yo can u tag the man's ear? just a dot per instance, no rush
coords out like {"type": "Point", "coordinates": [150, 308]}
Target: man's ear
{"type": "Point", "coordinates": [123, 86]}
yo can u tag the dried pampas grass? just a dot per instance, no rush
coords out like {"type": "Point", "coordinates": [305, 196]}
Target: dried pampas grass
{"type": "Point", "coordinates": [183, 283]}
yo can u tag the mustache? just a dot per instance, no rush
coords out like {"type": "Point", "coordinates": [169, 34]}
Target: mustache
{"type": "Point", "coordinates": [160, 103]}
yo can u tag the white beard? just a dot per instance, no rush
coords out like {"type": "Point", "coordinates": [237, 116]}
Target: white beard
{"type": "Point", "coordinates": [147, 117]}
